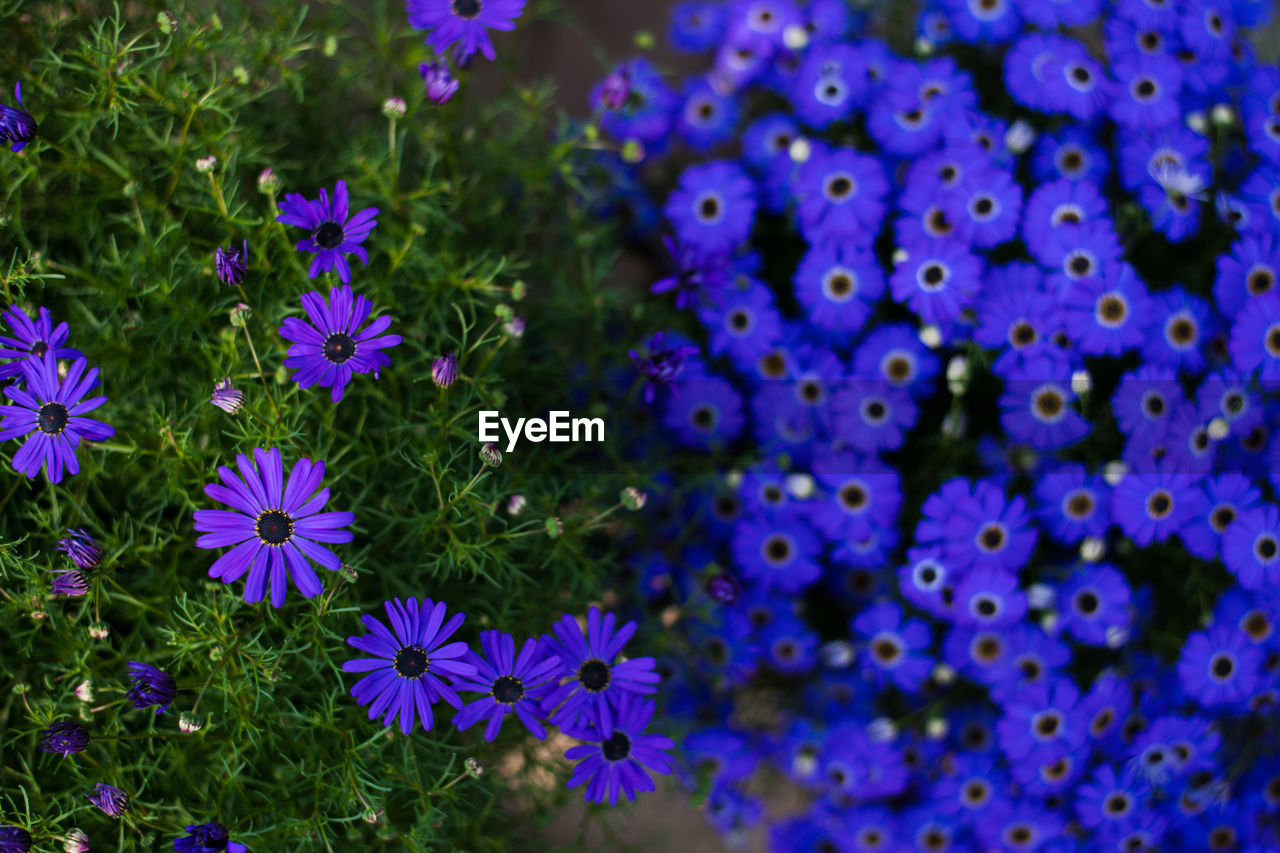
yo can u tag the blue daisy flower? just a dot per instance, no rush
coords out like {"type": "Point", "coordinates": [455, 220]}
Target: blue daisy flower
{"type": "Point", "coordinates": [594, 679]}
{"type": "Point", "coordinates": [31, 340]}
{"type": "Point", "coordinates": [712, 208]}
{"type": "Point", "coordinates": [514, 683]}
{"type": "Point", "coordinates": [150, 687]}
{"type": "Point", "coordinates": [208, 837]}
{"type": "Point", "coordinates": [464, 23]}
{"type": "Point", "coordinates": [838, 285]}
{"type": "Point", "coordinates": [333, 235]}
{"type": "Point", "coordinates": [619, 755]}
{"type": "Point", "coordinates": [1107, 315]}
{"type": "Point", "coordinates": [840, 196]}
{"type": "Point", "coordinates": [51, 412]}
{"type": "Point", "coordinates": [411, 660]}
{"type": "Point", "coordinates": [332, 347]}
{"type": "Point", "coordinates": [1094, 605]}
{"type": "Point", "coordinates": [16, 124]}
{"type": "Point", "coordinates": [1219, 666]}
{"type": "Point", "coordinates": [897, 648]}
{"type": "Point", "coordinates": [275, 525]}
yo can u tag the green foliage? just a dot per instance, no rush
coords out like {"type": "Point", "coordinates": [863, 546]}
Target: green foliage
{"type": "Point", "coordinates": [113, 227]}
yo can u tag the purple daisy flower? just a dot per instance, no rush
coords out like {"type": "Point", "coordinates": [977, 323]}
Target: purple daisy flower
{"type": "Point", "coordinates": [109, 798]}
{"type": "Point", "coordinates": [331, 347]}
{"type": "Point", "coordinates": [70, 584]}
{"type": "Point", "coordinates": [65, 737]}
{"type": "Point", "coordinates": [227, 397]}
{"type": "Point", "coordinates": [81, 548]}
{"type": "Point", "coordinates": [464, 23]}
{"type": "Point", "coordinates": [439, 84]}
{"type": "Point", "coordinates": [150, 687]}
{"type": "Point", "coordinates": [14, 839]}
{"type": "Point", "coordinates": [232, 264]}
{"type": "Point", "coordinates": [333, 235]}
{"type": "Point", "coordinates": [16, 124]}
{"type": "Point", "coordinates": [513, 684]}
{"type": "Point", "coordinates": [52, 412]}
{"type": "Point", "coordinates": [208, 837]}
{"type": "Point", "coordinates": [587, 658]}
{"type": "Point", "coordinates": [617, 752]}
{"type": "Point", "coordinates": [33, 338]}
{"type": "Point", "coordinates": [275, 526]}
{"type": "Point", "coordinates": [410, 658]}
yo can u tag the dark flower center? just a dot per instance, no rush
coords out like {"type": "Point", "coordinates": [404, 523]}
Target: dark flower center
{"type": "Point", "coordinates": [1079, 506]}
{"type": "Point", "coordinates": [992, 537]}
{"type": "Point", "coordinates": [773, 365]}
{"type": "Point", "coordinates": [1080, 73]}
{"type": "Point", "coordinates": [1023, 334]}
{"type": "Point", "coordinates": [1086, 602]}
{"type": "Point", "coordinates": [1047, 725]}
{"type": "Point", "coordinates": [898, 369]}
{"type": "Point", "coordinates": [328, 235]}
{"type": "Point", "coordinates": [1222, 516]}
{"type": "Point", "coordinates": [1159, 504]}
{"type": "Point", "coordinates": [932, 275]}
{"type": "Point", "coordinates": [508, 690]}
{"type": "Point", "coordinates": [1182, 331]}
{"type": "Point", "coordinates": [1020, 835]}
{"type": "Point", "coordinates": [975, 792]}
{"type": "Point", "coordinates": [839, 187]}
{"type": "Point", "coordinates": [1260, 281]}
{"type": "Point", "coordinates": [274, 527]}
{"type": "Point", "coordinates": [983, 206]}
{"type": "Point", "coordinates": [840, 284]}
{"type": "Point", "coordinates": [1117, 803]}
{"type": "Point", "coordinates": [1057, 769]}
{"type": "Point", "coordinates": [777, 549]}
{"type": "Point", "coordinates": [594, 675]}
{"type": "Point", "coordinates": [52, 418]}
{"type": "Point", "coordinates": [885, 651]}
{"type": "Point", "coordinates": [853, 496]}
{"type": "Point", "coordinates": [875, 410]}
{"type": "Point", "coordinates": [1266, 548]}
{"type": "Point", "coordinates": [703, 418]}
{"type": "Point", "coordinates": [1222, 838]}
{"type": "Point", "coordinates": [617, 747]}
{"type": "Point", "coordinates": [1072, 161]}
{"type": "Point", "coordinates": [468, 9]}
{"type": "Point", "coordinates": [1257, 625]}
{"type": "Point", "coordinates": [1145, 88]}
{"type": "Point", "coordinates": [411, 662]}
{"type": "Point", "coordinates": [986, 607]}
{"type": "Point", "coordinates": [338, 347]}
{"type": "Point", "coordinates": [709, 208]}
{"type": "Point", "coordinates": [39, 348]}
{"type": "Point", "coordinates": [1111, 309]}
{"type": "Point", "coordinates": [1154, 405]}
{"type": "Point", "coordinates": [1273, 341]}
{"type": "Point", "coordinates": [1223, 666]}
{"type": "Point", "coordinates": [811, 392]}
{"type": "Point", "coordinates": [739, 320]}
{"type": "Point", "coordinates": [937, 222]}
{"type": "Point", "coordinates": [988, 649]}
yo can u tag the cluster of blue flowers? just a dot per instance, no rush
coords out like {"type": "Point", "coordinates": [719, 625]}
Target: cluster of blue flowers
{"type": "Point", "coordinates": [998, 569]}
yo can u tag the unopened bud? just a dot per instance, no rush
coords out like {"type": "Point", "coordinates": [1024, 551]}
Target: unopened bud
{"type": "Point", "coordinates": [22, 687]}
{"type": "Point", "coordinates": [882, 730]}
{"type": "Point", "coordinates": [99, 630]}
{"type": "Point", "coordinates": [633, 151]}
{"type": "Point", "coordinates": [190, 722]}
{"type": "Point", "coordinates": [372, 814]}
{"type": "Point", "coordinates": [943, 674]}
{"type": "Point", "coordinates": [1081, 382]}
{"type": "Point", "coordinates": [1092, 549]}
{"type": "Point", "coordinates": [514, 328]}
{"type": "Point", "coordinates": [555, 527]}
{"type": "Point", "coordinates": [206, 164]}
{"type": "Point", "coordinates": [348, 573]}
{"type": "Point", "coordinates": [330, 46]}
{"type": "Point", "coordinates": [958, 375]}
{"type": "Point", "coordinates": [490, 454]}
{"type": "Point", "coordinates": [394, 108]}
{"type": "Point", "coordinates": [167, 22]}
{"type": "Point", "coordinates": [644, 40]}
{"type": "Point", "coordinates": [474, 769]}
{"type": "Point", "coordinates": [84, 691]}
{"type": "Point", "coordinates": [795, 37]}
{"type": "Point", "coordinates": [444, 372]}
{"type": "Point", "coordinates": [238, 315]}
{"type": "Point", "coordinates": [76, 841]}
{"type": "Point", "coordinates": [4, 219]}
{"type": "Point", "coordinates": [516, 504]}
{"type": "Point", "coordinates": [837, 654]}
{"type": "Point", "coordinates": [268, 181]}
{"type": "Point", "coordinates": [519, 290]}
{"type": "Point", "coordinates": [1218, 429]}
{"type": "Point", "coordinates": [504, 312]}
{"type": "Point", "coordinates": [632, 498]}
{"type": "Point", "coordinates": [1113, 472]}
{"type": "Point", "coordinates": [799, 150]}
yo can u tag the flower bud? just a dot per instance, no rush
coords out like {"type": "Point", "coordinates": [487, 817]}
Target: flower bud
{"type": "Point", "coordinates": [490, 454]}
{"type": "Point", "coordinates": [330, 48]}
{"type": "Point", "coordinates": [616, 89]}
{"type": "Point", "coordinates": [515, 328]}
{"type": "Point", "coordinates": [348, 573]}
{"type": "Point", "coordinates": [268, 181]}
{"type": "Point", "coordinates": [440, 84]}
{"type": "Point", "coordinates": [519, 290]}
{"type": "Point", "coordinates": [516, 504]}
{"type": "Point", "coordinates": [504, 312]}
{"type": "Point", "coordinates": [555, 527]}
{"type": "Point", "coordinates": [795, 37]}
{"type": "Point", "coordinates": [474, 769]}
{"type": "Point", "coordinates": [444, 372]}
{"type": "Point", "coordinates": [723, 588]}
{"type": "Point", "coordinates": [99, 630]}
{"type": "Point", "coordinates": [837, 654]}
{"type": "Point", "coordinates": [633, 151]}
{"type": "Point", "coordinates": [238, 314]}
{"type": "Point", "coordinates": [394, 108]}
{"type": "Point", "coordinates": [227, 397]}
{"type": "Point", "coordinates": [190, 722]}
{"type": "Point", "coordinates": [644, 40]}
{"type": "Point", "coordinates": [22, 687]}
{"type": "Point", "coordinates": [4, 218]}
{"type": "Point", "coordinates": [166, 22]}
{"type": "Point", "coordinates": [84, 691]}
{"type": "Point", "coordinates": [206, 164]}
{"type": "Point", "coordinates": [372, 814]}
{"type": "Point", "coordinates": [632, 498]}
